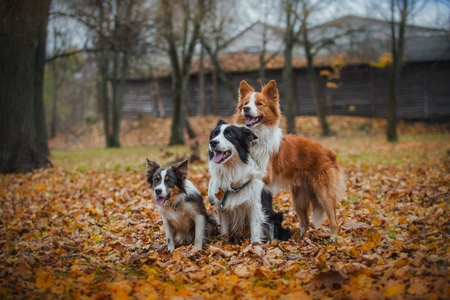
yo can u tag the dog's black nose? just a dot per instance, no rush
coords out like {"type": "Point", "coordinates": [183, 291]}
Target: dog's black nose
{"type": "Point", "coordinates": [158, 192]}
{"type": "Point", "coordinates": [246, 108]}
{"type": "Point", "coordinates": [214, 143]}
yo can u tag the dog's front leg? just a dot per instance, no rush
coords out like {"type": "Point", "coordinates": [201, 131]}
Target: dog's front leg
{"type": "Point", "coordinates": [199, 231]}
{"type": "Point", "coordinates": [169, 235]}
{"type": "Point", "coordinates": [212, 189]}
{"type": "Point", "coordinates": [256, 220]}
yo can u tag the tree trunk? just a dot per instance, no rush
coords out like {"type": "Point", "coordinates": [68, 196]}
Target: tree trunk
{"type": "Point", "coordinates": [157, 97]}
{"type": "Point", "coordinates": [392, 108]}
{"type": "Point", "coordinates": [262, 67]}
{"type": "Point", "coordinates": [262, 54]}
{"type": "Point", "coordinates": [312, 79]}
{"type": "Point", "coordinates": [54, 96]}
{"type": "Point", "coordinates": [219, 71]}
{"type": "Point", "coordinates": [201, 81]}
{"type": "Point", "coordinates": [320, 104]}
{"type": "Point", "coordinates": [215, 102]}
{"type": "Point", "coordinates": [394, 74]}
{"type": "Point", "coordinates": [23, 145]}
{"type": "Point", "coordinates": [288, 74]}
{"type": "Point", "coordinates": [117, 83]}
{"type": "Point", "coordinates": [178, 121]}
{"type": "Point", "coordinates": [103, 94]}
{"type": "Point", "coordinates": [39, 69]}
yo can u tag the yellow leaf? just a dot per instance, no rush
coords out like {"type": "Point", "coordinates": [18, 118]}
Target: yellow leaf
{"type": "Point", "coordinates": [324, 73]}
{"type": "Point", "coordinates": [393, 290]}
{"type": "Point", "coordinates": [44, 280]}
{"type": "Point", "coordinates": [233, 279]}
{"type": "Point", "coordinates": [176, 257]}
{"type": "Point", "coordinates": [413, 229]}
{"type": "Point", "coordinates": [120, 290]}
{"type": "Point", "coordinates": [402, 221]}
{"type": "Point", "coordinates": [377, 222]}
{"type": "Point", "coordinates": [332, 85]}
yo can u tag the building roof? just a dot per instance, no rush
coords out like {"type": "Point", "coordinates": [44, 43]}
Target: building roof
{"type": "Point", "coordinates": [368, 40]}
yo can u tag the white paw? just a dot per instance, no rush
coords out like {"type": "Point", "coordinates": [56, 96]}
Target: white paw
{"type": "Point", "coordinates": [171, 247]}
{"type": "Point", "coordinates": [302, 231]}
{"type": "Point", "coordinates": [199, 246]}
{"type": "Point", "coordinates": [212, 200]}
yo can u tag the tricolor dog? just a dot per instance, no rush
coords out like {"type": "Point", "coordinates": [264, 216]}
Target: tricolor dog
{"type": "Point", "coordinates": [308, 169]}
{"type": "Point", "coordinates": [180, 205]}
{"type": "Point", "coordinates": [236, 188]}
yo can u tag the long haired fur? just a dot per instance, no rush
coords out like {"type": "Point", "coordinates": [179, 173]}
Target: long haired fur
{"type": "Point", "coordinates": [308, 169]}
{"type": "Point", "coordinates": [231, 167]}
{"type": "Point", "coordinates": [180, 205]}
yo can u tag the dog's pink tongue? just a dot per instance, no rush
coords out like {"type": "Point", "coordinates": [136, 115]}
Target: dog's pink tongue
{"type": "Point", "coordinates": [250, 120]}
{"type": "Point", "coordinates": [160, 200]}
{"type": "Point", "coordinates": [218, 157]}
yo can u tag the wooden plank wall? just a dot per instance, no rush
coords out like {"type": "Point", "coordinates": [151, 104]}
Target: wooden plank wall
{"type": "Point", "coordinates": [363, 91]}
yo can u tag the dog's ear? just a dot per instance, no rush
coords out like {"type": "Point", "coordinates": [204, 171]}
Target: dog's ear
{"type": "Point", "coordinates": [221, 122]}
{"type": "Point", "coordinates": [270, 90]}
{"type": "Point", "coordinates": [181, 168]}
{"type": "Point", "coordinates": [150, 170]}
{"type": "Point", "coordinates": [244, 89]}
{"type": "Point", "coordinates": [249, 136]}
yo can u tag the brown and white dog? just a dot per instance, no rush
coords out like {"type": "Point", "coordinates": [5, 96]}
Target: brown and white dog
{"type": "Point", "coordinates": [310, 170]}
{"type": "Point", "coordinates": [180, 205]}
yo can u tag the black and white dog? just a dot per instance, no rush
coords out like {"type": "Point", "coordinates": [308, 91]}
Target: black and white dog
{"type": "Point", "coordinates": [180, 205]}
{"type": "Point", "coordinates": [236, 187]}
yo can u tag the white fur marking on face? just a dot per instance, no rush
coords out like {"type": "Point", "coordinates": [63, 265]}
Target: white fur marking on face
{"type": "Point", "coordinates": [253, 110]}
{"type": "Point", "coordinates": [224, 143]}
{"type": "Point", "coordinates": [162, 186]}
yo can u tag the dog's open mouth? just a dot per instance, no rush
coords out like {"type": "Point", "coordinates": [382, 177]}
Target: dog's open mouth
{"type": "Point", "coordinates": [252, 121]}
{"type": "Point", "coordinates": [220, 156]}
{"type": "Point", "coordinates": [161, 200]}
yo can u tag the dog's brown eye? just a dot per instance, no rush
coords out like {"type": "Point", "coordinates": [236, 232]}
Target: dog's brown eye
{"type": "Point", "coordinates": [259, 103]}
{"type": "Point", "coordinates": [246, 103]}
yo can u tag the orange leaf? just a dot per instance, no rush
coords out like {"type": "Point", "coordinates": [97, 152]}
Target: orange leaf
{"type": "Point", "coordinates": [233, 279]}
{"type": "Point", "coordinates": [176, 257]}
{"type": "Point", "coordinates": [377, 222]}
{"type": "Point", "coordinates": [393, 290]}
{"type": "Point", "coordinates": [44, 280]}
{"type": "Point", "coordinates": [220, 194]}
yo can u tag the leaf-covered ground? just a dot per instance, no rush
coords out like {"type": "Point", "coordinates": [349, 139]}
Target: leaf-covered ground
{"type": "Point", "coordinates": [88, 228]}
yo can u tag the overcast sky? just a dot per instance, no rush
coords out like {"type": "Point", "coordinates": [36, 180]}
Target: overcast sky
{"type": "Point", "coordinates": [432, 13]}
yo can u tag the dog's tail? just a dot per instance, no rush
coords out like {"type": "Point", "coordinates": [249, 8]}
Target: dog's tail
{"type": "Point", "coordinates": [274, 220]}
{"type": "Point", "coordinates": [279, 232]}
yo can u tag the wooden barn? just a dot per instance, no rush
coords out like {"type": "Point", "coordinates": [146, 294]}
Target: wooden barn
{"type": "Point", "coordinates": [360, 90]}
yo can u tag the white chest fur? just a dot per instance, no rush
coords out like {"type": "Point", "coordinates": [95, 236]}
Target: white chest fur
{"type": "Point", "coordinates": [268, 143]}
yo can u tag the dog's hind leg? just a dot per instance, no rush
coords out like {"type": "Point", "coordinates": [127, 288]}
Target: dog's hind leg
{"type": "Point", "coordinates": [301, 199]}
{"type": "Point", "coordinates": [327, 199]}
{"type": "Point", "coordinates": [199, 231]}
{"type": "Point", "coordinates": [224, 222]}
{"type": "Point", "coordinates": [256, 222]}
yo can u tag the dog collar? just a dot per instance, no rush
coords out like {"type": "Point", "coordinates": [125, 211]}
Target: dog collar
{"type": "Point", "coordinates": [234, 191]}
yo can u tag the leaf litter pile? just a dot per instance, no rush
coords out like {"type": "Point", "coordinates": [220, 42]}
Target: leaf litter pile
{"type": "Point", "coordinates": [90, 232]}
